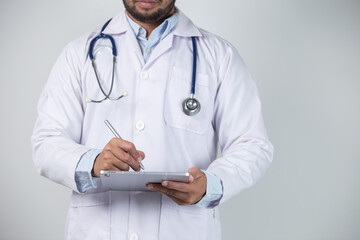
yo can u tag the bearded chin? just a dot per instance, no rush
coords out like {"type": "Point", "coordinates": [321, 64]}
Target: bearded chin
{"type": "Point", "coordinates": [158, 16]}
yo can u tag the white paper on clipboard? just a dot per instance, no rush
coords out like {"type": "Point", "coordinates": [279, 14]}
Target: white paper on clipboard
{"type": "Point", "coordinates": [136, 181]}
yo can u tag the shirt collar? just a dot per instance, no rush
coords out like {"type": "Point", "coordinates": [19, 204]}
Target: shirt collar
{"type": "Point", "coordinates": [184, 27]}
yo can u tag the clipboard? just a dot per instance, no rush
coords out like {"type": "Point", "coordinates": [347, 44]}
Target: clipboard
{"type": "Point", "coordinates": [136, 181]}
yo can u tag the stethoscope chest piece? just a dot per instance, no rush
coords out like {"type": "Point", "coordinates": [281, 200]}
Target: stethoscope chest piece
{"type": "Point", "coordinates": [191, 106]}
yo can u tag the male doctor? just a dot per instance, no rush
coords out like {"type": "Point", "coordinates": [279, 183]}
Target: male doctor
{"type": "Point", "coordinates": [71, 143]}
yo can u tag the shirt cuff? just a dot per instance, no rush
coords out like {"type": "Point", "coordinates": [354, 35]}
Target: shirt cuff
{"type": "Point", "coordinates": [214, 191]}
{"type": "Point", "coordinates": [83, 178]}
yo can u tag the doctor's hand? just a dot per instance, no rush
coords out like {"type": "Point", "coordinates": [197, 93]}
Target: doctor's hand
{"type": "Point", "coordinates": [183, 193]}
{"type": "Point", "coordinates": [118, 155]}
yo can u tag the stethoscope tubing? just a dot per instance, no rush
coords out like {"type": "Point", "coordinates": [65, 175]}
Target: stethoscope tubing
{"type": "Point", "coordinates": [194, 67]}
{"type": "Point", "coordinates": [191, 106]}
{"type": "Point", "coordinates": [107, 96]}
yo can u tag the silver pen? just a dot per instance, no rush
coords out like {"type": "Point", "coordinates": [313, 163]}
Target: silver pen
{"type": "Point", "coordinates": [112, 129]}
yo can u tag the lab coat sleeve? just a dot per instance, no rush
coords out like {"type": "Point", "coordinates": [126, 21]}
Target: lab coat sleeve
{"type": "Point", "coordinates": [245, 147]}
{"type": "Point", "coordinates": [57, 131]}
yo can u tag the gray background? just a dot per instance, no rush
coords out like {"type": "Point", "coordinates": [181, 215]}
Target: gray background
{"type": "Point", "coordinates": [305, 58]}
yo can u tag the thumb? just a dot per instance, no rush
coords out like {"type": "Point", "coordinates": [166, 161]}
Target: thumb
{"type": "Point", "coordinates": [194, 173]}
{"type": "Point", "coordinates": [191, 179]}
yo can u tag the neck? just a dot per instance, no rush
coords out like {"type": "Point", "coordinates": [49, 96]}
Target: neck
{"type": "Point", "coordinates": [149, 27]}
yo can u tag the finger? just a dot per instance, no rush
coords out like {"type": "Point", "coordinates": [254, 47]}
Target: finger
{"type": "Point", "coordinates": [178, 186]}
{"type": "Point", "coordinates": [122, 166]}
{"type": "Point", "coordinates": [125, 157]}
{"type": "Point", "coordinates": [113, 168]}
{"type": "Point", "coordinates": [159, 188]}
{"type": "Point", "coordinates": [142, 155]}
{"type": "Point", "coordinates": [178, 201]}
{"type": "Point", "coordinates": [105, 167]}
{"type": "Point", "coordinates": [129, 147]}
{"type": "Point", "coordinates": [112, 163]}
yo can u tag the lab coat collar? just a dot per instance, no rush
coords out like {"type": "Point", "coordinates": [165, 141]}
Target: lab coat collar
{"type": "Point", "coordinates": [184, 28]}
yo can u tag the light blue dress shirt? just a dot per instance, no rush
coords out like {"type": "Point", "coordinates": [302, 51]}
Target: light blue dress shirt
{"type": "Point", "coordinates": [83, 177]}
{"type": "Point", "coordinates": [158, 34]}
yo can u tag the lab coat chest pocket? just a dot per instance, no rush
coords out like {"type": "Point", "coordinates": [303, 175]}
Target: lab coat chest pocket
{"type": "Point", "coordinates": [88, 216]}
{"type": "Point", "coordinates": [178, 89]}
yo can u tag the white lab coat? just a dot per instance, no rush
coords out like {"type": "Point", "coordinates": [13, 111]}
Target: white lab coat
{"type": "Point", "coordinates": [152, 118]}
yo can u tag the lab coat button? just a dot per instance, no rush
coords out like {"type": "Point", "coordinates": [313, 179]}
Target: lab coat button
{"type": "Point", "coordinates": [140, 125]}
{"type": "Point", "coordinates": [144, 75]}
{"type": "Point", "coordinates": [134, 237]}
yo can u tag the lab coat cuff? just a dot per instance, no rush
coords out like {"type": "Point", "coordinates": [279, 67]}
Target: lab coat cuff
{"type": "Point", "coordinates": [84, 179]}
{"type": "Point", "coordinates": [214, 191]}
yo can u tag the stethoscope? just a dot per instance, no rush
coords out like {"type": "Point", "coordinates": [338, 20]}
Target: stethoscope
{"type": "Point", "coordinates": [191, 105]}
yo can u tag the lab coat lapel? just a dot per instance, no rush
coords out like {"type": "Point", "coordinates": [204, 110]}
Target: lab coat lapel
{"type": "Point", "coordinates": [132, 43]}
{"type": "Point", "coordinates": [184, 28]}
{"type": "Point", "coordinates": [161, 48]}
{"type": "Point", "coordinates": [118, 25]}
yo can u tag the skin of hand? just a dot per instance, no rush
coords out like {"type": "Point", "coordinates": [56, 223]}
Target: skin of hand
{"type": "Point", "coordinates": [183, 193]}
{"type": "Point", "coordinates": [118, 155]}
